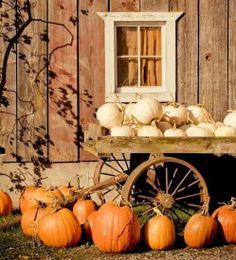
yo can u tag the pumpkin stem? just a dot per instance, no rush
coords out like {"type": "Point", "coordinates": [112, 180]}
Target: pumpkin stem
{"type": "Point", "coordinates": [232, 203]}
{"type": "Point", "coordinates": [157, 211]}
{"type": "Point", "coordinates": [189, 120]}
{"type": "Point", "coordinates": [205, 210]}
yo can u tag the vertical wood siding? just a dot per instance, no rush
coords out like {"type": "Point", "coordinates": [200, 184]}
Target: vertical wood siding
{"type": "Point", "coordinates": [71, 88]}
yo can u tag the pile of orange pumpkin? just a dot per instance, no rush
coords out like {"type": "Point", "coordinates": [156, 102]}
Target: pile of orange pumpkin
{"type": "Point", "coordinates": [113, 228]}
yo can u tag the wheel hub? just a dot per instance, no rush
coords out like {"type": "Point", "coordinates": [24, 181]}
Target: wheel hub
{"type": "Point", "coordinates": [165, 199]}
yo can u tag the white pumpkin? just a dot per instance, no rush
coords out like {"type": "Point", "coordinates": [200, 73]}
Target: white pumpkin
{"type": "Point", "coordinates": [175, 113]}
{"type": "Point", "coordinates": [146, 109]}
{"type": "Point", "coordinates": [227, 131]}
{"type": "Point", "coordinates": [199, 114]}
{"type": "Point", "coordinates": [149, 130]}
{"type": "Point", "coordinates": [163, 126]}
{"type": "Point", "coordinates": [197, 131]}
{"type": "Point", "coordinates": [122, 131]}
{"type": "Point", "coordinates": [230, 119]}
{"type": "Point", "coordinates": [109, 115]}
{"type": "Point", "coordinates": [174, 132]}
{"type": "Point", "coordinates": [211, 126]}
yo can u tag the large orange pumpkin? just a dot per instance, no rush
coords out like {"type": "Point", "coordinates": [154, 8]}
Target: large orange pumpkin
{"type": "Point", "coordinates": [27, 199]}
{"type": "Point", "coordinates": [88, 225]}
{"type": "Point", "coordinates": [59, 228]}
{"type": "Point", "coordinates": [116, 229]}
{"type": "Point", "coordinates": [200, 231]}
{"type": "Point", "coordinates": [226, 218]}
{"type": "Point", "coordinates": [5, 203]}
{"type": "Point", "coordinates": [159, 233]}
{"type": "Point", "coordinates": [30, 219]}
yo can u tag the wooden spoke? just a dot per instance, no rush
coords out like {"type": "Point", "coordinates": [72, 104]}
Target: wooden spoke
{"type": "Point", "coordinates": [189, 196]}
{"type": "Point", "coordinates": [108, 174]}
{"type": "Point", "coordinates": [188, 186]}
{"type": "Point", "coordinates": [126, 163]}
{"type": "Point", "coordinates": [194, 205]}
{"type": "Point", "coordinates": [145, 197]}
{"type": "Point", "coordinates": [107, 191]}
{"type": "Point", "coordinates": [118, 163]}
{"type": "Point", "coordinates": [175, 172]}
{"type": "Point", "coordinates": [149, 181]}
{"type": "Point", "coordinates": [167, 181]}
{"type": "Point", "coordinates": [143, 203]}
{"type": "Point", "coordinates": [173, 193]}
{"type": "Point", "coordinates": [112, 167]}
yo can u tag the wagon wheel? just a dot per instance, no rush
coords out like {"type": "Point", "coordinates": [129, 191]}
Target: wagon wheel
{"type": "Point", "coordinates": [171, 184]}
{"type": "Point", "coordinates": [113, 166]}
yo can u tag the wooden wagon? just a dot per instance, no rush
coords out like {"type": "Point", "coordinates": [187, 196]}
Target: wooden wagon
{"type": "Point", "coordinates": [137, 169]}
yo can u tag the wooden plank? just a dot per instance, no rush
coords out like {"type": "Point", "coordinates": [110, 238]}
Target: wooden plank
{"type": "Point", "coordinates": [31, 86]}
{"type": "Point", "coordinates": [213, 56]}
{"type": "Point", "coordinates": [8, 114]}
{"type": "Point", "coordinates": [91, 63]}
{"type": "Point", "coordinates": [154, 5]}
{"type": "Point", "coordinates": [124, 5]}
{"type": "Point", "coordinates": [217, 145]}
{"type": "Point", "coordinates": [63, 97]}
{"type": "Point", "coordinates": [232, 56]}
{"type": "Point", "coordinates": [187, 51]}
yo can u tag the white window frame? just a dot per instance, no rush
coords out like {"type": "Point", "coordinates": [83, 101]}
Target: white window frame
{"type": "Point", "coordinates": [167, 91]}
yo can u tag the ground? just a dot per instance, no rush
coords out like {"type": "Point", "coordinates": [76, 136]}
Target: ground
{"type": "Point", "coordinates": [14, 245]}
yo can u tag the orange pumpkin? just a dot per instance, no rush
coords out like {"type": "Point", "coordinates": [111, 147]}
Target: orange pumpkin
{"type": "Point", "coordinates": [116, 229]}
{"type": "Point", "coordinates": [30, 219]}
{"type": "Point", "coordinates": [26, 198]}
{"type": "Point", "coordinates": [59, 228]}
{"type": "Point", "coordinates": [159, 233]}
{"type": "Point", "coordinates": [83, 208]}
{"type": "Point", "coordinates": [48, 196]}
{"type": "Point", "coordinates": [5, 203]}
{"type": "Point", "coordinates": [226, 218]}
{"type": "Point", "coordinates": [88, 225]}
{"type": "Point", "coordinates": [200, 231]}
{"type": "Point", "coordinates": [66, 190]}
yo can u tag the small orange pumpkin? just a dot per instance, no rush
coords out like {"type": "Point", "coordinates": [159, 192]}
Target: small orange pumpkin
{"type": "Point", "coordinates": [226, 218]}
{"type": "Point", "coordinates": [66, 190]}
{"type": "Point", "coordinates": [26, 198]}
{"type": "Point", "coordinates": [200, 231]}
{"type": "Point", "coordinates": [5, 203]}
{"type": "Point", "coordinates": [59, 228]}
{"type": "Point", "coordinates": [88, 225]}
{"type": "Point", "coordinates": [30, 219]}
{"type": "Point", "coordinates": [159, 233]}
{"type": "Point", "coordinates": [116, 229]}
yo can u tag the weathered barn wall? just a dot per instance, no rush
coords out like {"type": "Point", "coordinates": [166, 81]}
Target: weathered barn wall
{"type": "Point", "coordinates": [55, 74]}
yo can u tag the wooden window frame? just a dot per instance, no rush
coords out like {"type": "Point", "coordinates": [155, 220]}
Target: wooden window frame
{"type": "Point", "coordinates": [167, 21]}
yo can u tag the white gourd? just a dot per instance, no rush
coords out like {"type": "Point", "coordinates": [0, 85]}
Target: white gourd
{"type": "Point", "coordinates": [230, 119]}
{"type": "Point", "coordinates": [175, 113]}
{"type": "Point", "coordinates": [109, 115]}
{"type": "Point", "coordinates": [197, 131]}
{"type": "Point", "coordinates": [163, 126]}
{"type": "Point", "coordinates": [146, 109]}
{"type": "Point", "coordinates": [149, 130]}
{"type": "Point", "coordinates": [211, 126]}
{"type": "Point", "coordinates": [225, 131]}
{"type": "Point", "coordinates": [199, 114]}
{"type": "Point", "coordinates": [174, 132]}
{"type": "Point", "coordinates": [122, 131]}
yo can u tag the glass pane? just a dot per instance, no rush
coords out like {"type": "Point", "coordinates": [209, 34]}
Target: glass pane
{"type": "Point", "coordinates": [127, 72]}
{"type": "Point", "coordinates": [127, 41]}
{"type": "Point", "coordinates": [151, 70]}
{"type": "Point", "coordinates": [150, 41]}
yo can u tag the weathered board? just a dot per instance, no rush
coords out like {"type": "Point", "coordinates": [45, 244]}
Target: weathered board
{"type": "Point", "coordinates": [213, 56]}
{"type": "Point", "coordinates": [8, 114]}
{"type": "Point", "coordinates": [91, 63]}
{"type": "Point", "coordinates": [63, 88]}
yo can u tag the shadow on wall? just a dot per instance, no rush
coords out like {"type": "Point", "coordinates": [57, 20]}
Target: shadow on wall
{"type": "Point", "coordinates": [219, 173]}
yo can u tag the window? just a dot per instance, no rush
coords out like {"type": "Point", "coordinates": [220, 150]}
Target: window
{"type": "Point", "coordinates": [139, 55]}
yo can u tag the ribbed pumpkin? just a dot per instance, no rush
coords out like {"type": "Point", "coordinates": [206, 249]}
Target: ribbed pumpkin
{"type": "Point", "coordinates": [30, 219]}
{"type": "Point", "coordinates": [88, 225]}
{"type": "Point", "coordinates": [48, 196]}
{"type": "Point", "coordinates": [116, 229]}
{"type": "Point", "coordinates": [5, 203]}
{"type": "Point", "coordinates": [159, 233]}
{"type": "Point", "coordinates": [83, 208]}
{"type": "Point", "coordinates": [59, 228]}
{"type": "Point", "coordinates": [226, 218]}
{"type": "Point", "coordinates": [27, 199]}
{"type": "Point", "coordinates": [200, 231]}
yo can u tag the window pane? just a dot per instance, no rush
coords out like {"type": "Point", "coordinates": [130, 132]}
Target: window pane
{"type": "Point", "coordinates": [150, 41]}
{"type": "Point", "coordinates": [151, 72]}
{"type": "Point", "coordinates": [127, 72]}
{"type": "Point", "coordinates": [127, 41]}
